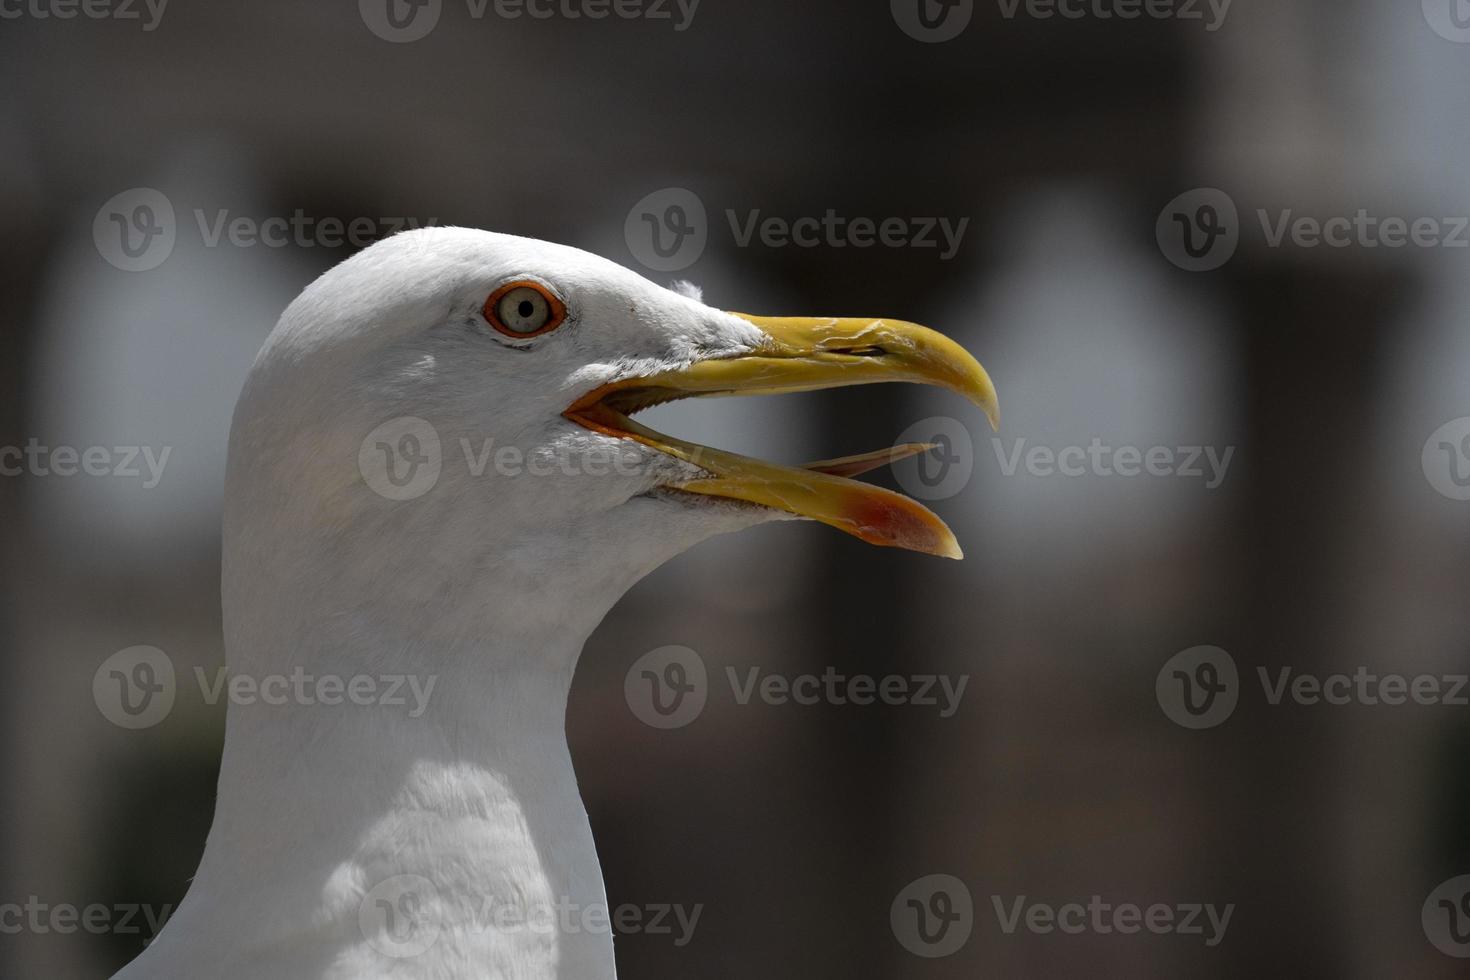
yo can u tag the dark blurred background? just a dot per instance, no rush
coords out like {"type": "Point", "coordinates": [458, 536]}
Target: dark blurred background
{"type": "Point", "coordinates": [1066, 143]}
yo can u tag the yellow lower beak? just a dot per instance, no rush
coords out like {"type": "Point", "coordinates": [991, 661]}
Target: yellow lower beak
{"type": "Point", "coordinates": [805, 354]}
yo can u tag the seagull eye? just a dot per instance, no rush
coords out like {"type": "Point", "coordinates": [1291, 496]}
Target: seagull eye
{"type": "Point", "coordinates": [524, 309]}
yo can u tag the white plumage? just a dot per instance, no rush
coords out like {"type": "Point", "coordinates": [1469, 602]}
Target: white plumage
{"type": "Point", "coordinates": [345, 838]}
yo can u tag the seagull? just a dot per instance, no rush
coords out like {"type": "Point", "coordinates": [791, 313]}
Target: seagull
{"type": "Point", "coordinates": [434, 474]}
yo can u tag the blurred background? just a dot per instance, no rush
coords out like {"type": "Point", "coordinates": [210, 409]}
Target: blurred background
{"type": "Point", "coordinates": [1121, 183]}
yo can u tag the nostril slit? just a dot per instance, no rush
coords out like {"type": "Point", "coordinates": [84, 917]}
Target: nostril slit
{"type": "Point", "coordinates": [859, 351]}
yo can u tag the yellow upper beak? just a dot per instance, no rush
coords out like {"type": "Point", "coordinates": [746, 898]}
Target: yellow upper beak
{"type": "Point", "coordinates": [805, 354]}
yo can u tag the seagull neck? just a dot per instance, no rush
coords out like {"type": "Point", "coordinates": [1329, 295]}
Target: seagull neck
{"type": "Point", "coordinates": [455, 801]}
{"type": "Point", "coordinates": [344, 831]}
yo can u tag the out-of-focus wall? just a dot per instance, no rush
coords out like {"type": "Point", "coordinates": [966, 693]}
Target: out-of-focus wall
{"type": "Point", "coordinates": [1114, 204]}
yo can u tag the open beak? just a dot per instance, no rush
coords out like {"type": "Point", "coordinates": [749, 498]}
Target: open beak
{"type": "Point", "coordinates": [805, 354]}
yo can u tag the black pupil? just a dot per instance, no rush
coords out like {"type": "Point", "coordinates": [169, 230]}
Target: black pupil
{"type": "Point", "coordinates": [526, 308]}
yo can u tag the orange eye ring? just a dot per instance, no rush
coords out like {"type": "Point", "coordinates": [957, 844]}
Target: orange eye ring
{"type": "Point", "coordinates": [524, 308]}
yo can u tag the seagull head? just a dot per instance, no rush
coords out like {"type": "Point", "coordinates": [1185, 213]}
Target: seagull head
{"type": "Point", "coordinates": [465, 397]}
{"type": "Point", "coordinates": [435, 476]}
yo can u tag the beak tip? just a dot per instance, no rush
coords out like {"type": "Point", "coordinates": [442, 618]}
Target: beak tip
{"type": "Point", "coordinates": [979, 390]}
{"type": "Point", "coordinates": [989, 403]}
{"type": "Point", "coordinates": [946, 545]}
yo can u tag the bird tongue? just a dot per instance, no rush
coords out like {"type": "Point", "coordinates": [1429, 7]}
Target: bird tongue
{"type": "Point", "coordinates": [866, 462]}
{"type": "Point", "coordinates": [820, 491]}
